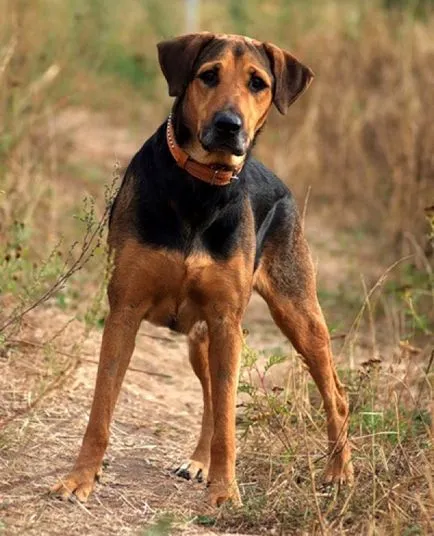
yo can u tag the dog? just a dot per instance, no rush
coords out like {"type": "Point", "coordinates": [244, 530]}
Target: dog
{"type": "Point", "coordinates": [197, 224]}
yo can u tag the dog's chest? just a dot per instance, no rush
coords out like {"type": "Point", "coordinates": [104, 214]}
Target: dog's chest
{"type": "Point", "coordinates": [177, 285]}
{"type": "Point", "coordinates": [176, 291]}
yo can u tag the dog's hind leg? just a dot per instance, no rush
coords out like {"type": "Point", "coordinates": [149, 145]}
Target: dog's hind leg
{"type": "Point", "coordinates": [197, 466]}
{"type": "Point", "coordinates": [286, 280]}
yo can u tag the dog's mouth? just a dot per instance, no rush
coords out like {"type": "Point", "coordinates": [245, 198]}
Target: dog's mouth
{"type": "Point", "coordinates": [213, 142]}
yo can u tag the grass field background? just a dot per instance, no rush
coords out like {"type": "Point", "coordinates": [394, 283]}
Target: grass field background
{"type": "Point", "coordinates": [80, 90]}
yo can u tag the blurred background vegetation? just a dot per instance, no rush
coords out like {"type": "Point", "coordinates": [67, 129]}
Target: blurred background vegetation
{"type": "Point", "coordinates": [80, 90]}
{"type": "Point", "coordinates": [361, 138]}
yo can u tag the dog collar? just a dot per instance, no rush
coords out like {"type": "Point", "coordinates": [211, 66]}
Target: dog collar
{"type": "Point", "coordinates": [217, 177]}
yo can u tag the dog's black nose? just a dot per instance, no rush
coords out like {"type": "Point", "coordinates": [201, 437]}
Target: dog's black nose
{"type": "Point", "coordinates": [227, 122]}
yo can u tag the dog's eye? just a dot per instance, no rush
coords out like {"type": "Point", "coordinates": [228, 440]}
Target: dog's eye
{"type": "Point", "coordinates": [256, 84]}
{"type": "Point", "coordinates": [209, 78]}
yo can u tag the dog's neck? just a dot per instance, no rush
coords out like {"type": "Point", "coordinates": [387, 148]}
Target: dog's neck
{"type": "Point", "coordinates": [182, 133]}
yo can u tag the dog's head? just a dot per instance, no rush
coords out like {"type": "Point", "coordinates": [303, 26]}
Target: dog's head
{"type": "Point", "coordinates": [225, 85]}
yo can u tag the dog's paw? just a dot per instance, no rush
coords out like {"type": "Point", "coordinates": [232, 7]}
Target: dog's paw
{"type": "Point", "coordinates": [339, 470]}
{"type": "Point", "coordinates": [221, 492]}
{"type": "Point", "coordinates": [79, 484]}
{"type": "Point", "coordinates": [192, 470]}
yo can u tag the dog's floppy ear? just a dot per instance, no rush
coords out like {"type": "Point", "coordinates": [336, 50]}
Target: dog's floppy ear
{"type": "Point", "coordinates": [291, 78]}
{"type": "Point", "coordinates": [177, 57]}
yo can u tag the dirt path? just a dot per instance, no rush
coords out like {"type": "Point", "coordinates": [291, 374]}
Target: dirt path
{"type": "Point", "coordinates": [155, 427]}
{"type": "Point", "coordinates": [156, 421]}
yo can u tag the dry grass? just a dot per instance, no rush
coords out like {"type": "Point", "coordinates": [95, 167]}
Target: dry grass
{"type": "Point", "coordinates": [283, 454]}
{"type": "Point", "coordinates": [361, 139]}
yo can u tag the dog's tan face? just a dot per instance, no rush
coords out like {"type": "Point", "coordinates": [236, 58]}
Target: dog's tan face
{"type": "Point", "coordinates": [227, 85]}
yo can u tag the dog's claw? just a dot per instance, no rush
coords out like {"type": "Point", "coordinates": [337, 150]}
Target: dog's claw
{"type": "Point", "coordinates": [192, 470]}
{"type": "Point", "coordinates": [183, 473]}
{"type": "Point", "coordinates": [77, 486]}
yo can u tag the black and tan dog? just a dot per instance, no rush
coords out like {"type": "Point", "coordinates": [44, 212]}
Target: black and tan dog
{"type": "Point", "coordinates": [196, 226]}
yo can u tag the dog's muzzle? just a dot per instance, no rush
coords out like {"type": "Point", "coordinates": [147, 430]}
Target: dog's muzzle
{"type": "Point", "coordinates": [225, 133]}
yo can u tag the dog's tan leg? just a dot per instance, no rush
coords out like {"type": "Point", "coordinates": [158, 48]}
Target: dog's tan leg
{"type": "Point", "coordinates": [294, 306]}
{"type": "Point", "coordinates": [304, 325]}
{"type": "Point", "coordinates": [197, 466]}
{"type": "Point", "coordinates": [224, 358]}
{"type": "Point", "coordinates": [116, 350]}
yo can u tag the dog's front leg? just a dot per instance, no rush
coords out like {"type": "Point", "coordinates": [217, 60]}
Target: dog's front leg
{"type": "Point", "coordinates": [116, 350]}
{"type": "Point", "coordinates": [224, 360]}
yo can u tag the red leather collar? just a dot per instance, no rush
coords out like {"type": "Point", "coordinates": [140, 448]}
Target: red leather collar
{"type": "Point", "coordinates": [218, 177]}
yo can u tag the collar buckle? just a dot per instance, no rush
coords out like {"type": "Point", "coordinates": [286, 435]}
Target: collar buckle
{"type": "Point", "coordinates": [214, 176]}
